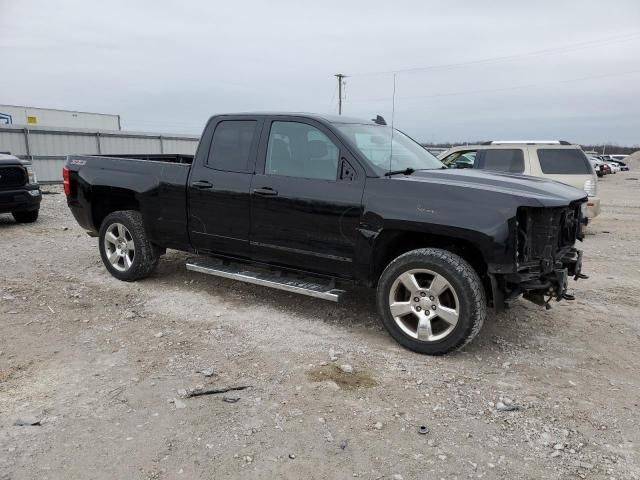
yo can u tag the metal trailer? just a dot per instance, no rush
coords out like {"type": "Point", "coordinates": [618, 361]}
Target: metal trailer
{"type": "Point", "coordinates": [51, 117]}
{"type": "Point", "coordinates": [47, 147]}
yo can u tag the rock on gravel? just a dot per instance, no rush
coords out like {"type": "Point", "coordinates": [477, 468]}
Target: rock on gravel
{"type": "Point", "coordinates": [346, 368]}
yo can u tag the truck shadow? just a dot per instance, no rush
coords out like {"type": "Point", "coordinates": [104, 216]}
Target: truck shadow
{"type": "Point", "coordinates": [7, 221]}
{"type": "Point", "coordinates": [357, 310]}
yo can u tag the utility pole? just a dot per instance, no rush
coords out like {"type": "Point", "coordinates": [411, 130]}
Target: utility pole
{"type": "Point", "coordinates": [340, 78]}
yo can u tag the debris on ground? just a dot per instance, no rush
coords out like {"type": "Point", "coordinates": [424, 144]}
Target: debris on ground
{"type": "Point", "coordinates": [346, 368]}
{"type": "Point", "coordinates": [502, 407]}
{"type": "Point", "coordinates": [214, 391]}
{"type": "Point", "coordinates": [28, 422]}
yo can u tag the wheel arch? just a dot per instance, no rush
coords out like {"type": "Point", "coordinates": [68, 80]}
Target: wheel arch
{"type": "Point", "coordinates": [111, 199]}
{"type": "Point", "coordinates": [390, 244]}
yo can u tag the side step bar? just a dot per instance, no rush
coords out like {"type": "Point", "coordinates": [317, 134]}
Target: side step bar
{"type": "Point", "coordinates": [266, 279]}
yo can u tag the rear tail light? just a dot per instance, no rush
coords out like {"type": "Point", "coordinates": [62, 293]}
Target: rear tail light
{"type": "Point", "coordinates": [590, 187]}
{"type": "Point", "coordinates": [65, 181]}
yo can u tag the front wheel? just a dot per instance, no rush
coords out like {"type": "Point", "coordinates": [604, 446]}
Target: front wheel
{"type": "Point", "coordinates": [124, 247]}
{"type": "Point", "coordinates": [431, 301]}
{"type": "Point", "coordinates": [28, 216]}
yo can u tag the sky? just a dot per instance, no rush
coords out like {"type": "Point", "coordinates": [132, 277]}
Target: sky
{"type": "Point", "coordinates": [464, 70]}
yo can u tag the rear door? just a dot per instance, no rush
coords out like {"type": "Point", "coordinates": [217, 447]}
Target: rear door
{"type": "Point", "coordinates": [219, 186]}
{"type": "Point", "coordinates": [497, 159]}
{"type": "Point", "coordinates": [509, 160]}
{"type": "Point", "coordinates": [306, 200]}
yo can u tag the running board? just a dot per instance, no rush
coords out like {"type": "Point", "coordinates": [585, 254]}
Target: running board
{"type": "Point", "coordinates": [266, 279]}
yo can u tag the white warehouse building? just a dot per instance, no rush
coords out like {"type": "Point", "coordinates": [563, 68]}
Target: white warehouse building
{"type": "Point", "coordinates": [51, 117]}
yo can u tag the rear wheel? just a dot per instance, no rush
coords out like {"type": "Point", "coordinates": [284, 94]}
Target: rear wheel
{"type": "Point", "coordinates": [28, 216]}
{"type": "Point", "coordinates": [124, 247]}
{"type": "Point", "coordinates": [431, 301]}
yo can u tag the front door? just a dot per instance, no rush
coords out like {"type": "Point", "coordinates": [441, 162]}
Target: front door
{"type": "Point", "coordinates": [219, 188]}
{"type": "Point", "coordinates": [306, 199]}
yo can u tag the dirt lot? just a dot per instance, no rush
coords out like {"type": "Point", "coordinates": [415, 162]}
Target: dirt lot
{"type": "Point", "coordinates": [101, 365]}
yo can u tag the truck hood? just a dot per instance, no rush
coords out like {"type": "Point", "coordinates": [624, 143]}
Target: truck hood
{"type": "Point", "coordinates": [547, 192]}
{"type": "Point", "coordinates": [12, 161]}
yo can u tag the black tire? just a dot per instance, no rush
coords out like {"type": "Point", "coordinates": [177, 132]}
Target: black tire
{"type": "Point", "coordinates": [146, 256]}
{"type": "Point", "coordinates": [472, 305]}
{"type": "Point", "coordinates": [26, 216]}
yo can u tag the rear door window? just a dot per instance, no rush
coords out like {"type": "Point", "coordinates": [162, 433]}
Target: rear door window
{"type": "Point", "coordinates": [509, 160]}
{"type": "Point", "coordinates": [231, 146]}
{"type": "Point", "coordinates": [565, 161]}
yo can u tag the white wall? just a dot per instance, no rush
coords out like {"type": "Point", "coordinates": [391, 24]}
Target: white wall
{"type": "Point", "coordinates": [45, 117]}
{"type": "Point", "coordinates": [48, 147]}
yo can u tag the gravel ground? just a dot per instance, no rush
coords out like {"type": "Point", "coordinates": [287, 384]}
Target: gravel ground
{"type": "Point", "coordinates": [105, 369]}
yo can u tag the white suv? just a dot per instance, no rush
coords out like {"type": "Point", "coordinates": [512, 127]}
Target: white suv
{"type": "Point", "coordinates": [555, 160]}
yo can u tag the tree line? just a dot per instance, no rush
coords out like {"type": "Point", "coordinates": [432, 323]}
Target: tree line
{"type": "Point", "coordinates": [608, 148]}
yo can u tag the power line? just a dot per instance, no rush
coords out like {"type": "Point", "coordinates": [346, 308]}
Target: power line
{"type": "Point", "coordinates": [515, 87]}
{"type": "Point", "coordinates": [546, 51]}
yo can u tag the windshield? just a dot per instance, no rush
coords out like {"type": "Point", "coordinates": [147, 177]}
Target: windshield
{"type": "Point", "coordinates": [374, 143]}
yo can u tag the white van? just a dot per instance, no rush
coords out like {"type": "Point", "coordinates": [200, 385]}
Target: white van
{"type": "Point", "coordinates": [555, 159]}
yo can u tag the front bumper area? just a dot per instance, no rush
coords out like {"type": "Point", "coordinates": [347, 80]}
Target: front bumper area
{"type": "Point", "coordinates": [18, 200]}
{"type": "Point", "coordinates": [539, 283]}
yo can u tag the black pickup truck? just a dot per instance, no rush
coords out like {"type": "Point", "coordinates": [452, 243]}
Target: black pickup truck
{"type": "Point", "coordinates": [311, 203]}
{"type": "Point", "coordinates": [19, 190]}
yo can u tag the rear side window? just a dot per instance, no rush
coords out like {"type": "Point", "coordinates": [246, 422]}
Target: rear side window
{"type": "Point", "coordinates": [563, 161]}
{"type": "Point", "coordinates": [231, 146]}
{"type": "Point", "coordinates": [501, 160]}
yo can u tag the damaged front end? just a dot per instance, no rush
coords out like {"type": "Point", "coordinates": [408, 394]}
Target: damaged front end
{"type": "Point", "coordinates": [545, 252]}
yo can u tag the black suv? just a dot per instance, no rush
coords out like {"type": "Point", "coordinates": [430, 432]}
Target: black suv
{"type": "Point", "coordinates": [19, 190]}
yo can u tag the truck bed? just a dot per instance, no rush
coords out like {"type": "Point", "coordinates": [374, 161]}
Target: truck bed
{"type": "Point", "coordinates": [155, 185]}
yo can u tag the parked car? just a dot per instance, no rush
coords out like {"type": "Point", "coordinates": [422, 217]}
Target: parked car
{"type": "Point", "coordinates": [309, 203]}
{"type": "Point", "coordinates": [615, 168]}
{"type": "Point", "coordinates": [616, 157]}
{"type": "Point", "coordinates": [554, 160]}
{"type": "Point", "coordinates": [621, 165]}
{"type": "Point", "coordinates": [19, 190]}
{"type": "Point", "coordinates": [596, 163]}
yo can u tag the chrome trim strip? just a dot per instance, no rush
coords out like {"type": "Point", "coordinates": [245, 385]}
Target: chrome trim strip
{"type": "Point", "coordinates": [304, 252]}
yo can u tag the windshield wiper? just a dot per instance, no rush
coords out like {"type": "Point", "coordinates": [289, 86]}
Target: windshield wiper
{"type": "Point", "coordinates": [406, 171]}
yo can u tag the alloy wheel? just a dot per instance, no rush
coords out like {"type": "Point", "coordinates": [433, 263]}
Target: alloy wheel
{"type": "Point", "coordinates": [424, 305]}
